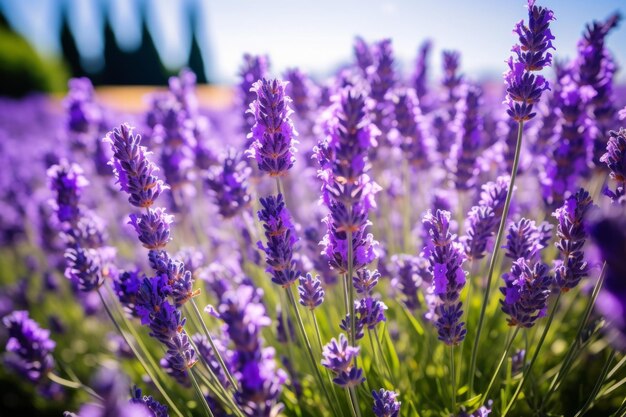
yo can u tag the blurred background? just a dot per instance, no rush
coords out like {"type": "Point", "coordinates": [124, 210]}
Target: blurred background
{"type": "Point", "coordinates": [142, 42]}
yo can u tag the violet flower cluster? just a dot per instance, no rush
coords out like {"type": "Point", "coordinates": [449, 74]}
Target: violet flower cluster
{"type": "Point", "coordinates": [571, 235]}
{"type": "Point", "coordinates": [273, 134]}
{"type": "Point", "coordinates": [524, 88]}
{"type": "Point", "coordinates": [339, 357]}
{"type": "Point", "coordinates": [446, 258]}
{"type": "Point", "coordinates": [347, 191]}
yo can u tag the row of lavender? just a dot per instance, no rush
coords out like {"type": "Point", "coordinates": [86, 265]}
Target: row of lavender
{"type": "Point", "coordinates": [371, 177]}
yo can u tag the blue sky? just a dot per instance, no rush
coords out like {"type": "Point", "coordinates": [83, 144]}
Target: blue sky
{"type": "Point", "coordinates": [314, 35]}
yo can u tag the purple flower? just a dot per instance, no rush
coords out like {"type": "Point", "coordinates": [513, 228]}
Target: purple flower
{"type": "Point", "coordinates": [596, 69]}
{"type": "Point", "coordinates": [524, 88]}
{"type": "Point", "coordinates": [469, 139]}
{"type": "Point", "coordinates": [85, 267]}
{"type": "Point", "coordinates": [446, 258]}
{"type": "Point", "coordinates": [84, 115]}
{"type": "Point", "coordinates": [571, 237]}
{"type": "Point", "coordinates": [254, 68]}
{"type": "Point", "coordinates": [300, 89]}
{"type": "Point", "coordinates": [451, 77]}
{"type": "Point", "coordinates": [228, 184]}
{"type": "Point", "coordinates": [615, 160]}
{"type": "Point", "coordinates": [152, 227]}
{"type": "Point", "coordinates": [363, 54]}
{"type": "Point", "coordinates": [135, 173]}
{"type": "Point", "coordinates": [386, 403]}
{"type": "Point", "coordinates": [280, 237]}
{"type": "Point", "coordinates": [67, 181]}
{"type": "Point", "coordinates": [370, 312]}
{"type": "Point", "coordinates": [347, 191]}
{"type": "Point", "coordinates": [29, 348]}
{"type": "Point", "coordinates": [339, 358]}
{"type": "Point", "coordinates": [572, 151]}
{"type": "Point", "coordinates": [254, 366]}
{"type": "Point", "coordinates": [156, 409]}
{"type": "Point", "coordinates": [409, 272]}
{"type": "Point", "coordinates": [273, 134]}
{"type": "Point", "coordinates": [209, 355]}
{"type": "Point", "coordinates": [311, 291]}
{"type": "Point", "coordinates": [420, 78]}
{"type": "Point", "coordinates": [179, 358]}
{"type": "Point", "coordinates": [409, 130]}
{"type": "Point", "coordinates": [482, 411]}
{"type": "Point", "coordinates": [526, 293]}
{"type": "Point", "coordinates": [525, 239]}
{"type": "Point", "coordinates": [365, 281]}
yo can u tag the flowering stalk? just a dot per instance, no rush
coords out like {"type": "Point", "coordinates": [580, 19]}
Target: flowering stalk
{"type": "Point", "coordinates": [523, 91]}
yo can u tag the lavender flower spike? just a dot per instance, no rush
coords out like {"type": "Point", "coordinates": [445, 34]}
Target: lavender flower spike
{"type": "Point", "coordinates": [524, 88]}
{"type": "Point", "coordinates": [29, 348]}
{"type": "Point", "coordinates": [339, 357]}
{"type": "Point", "coordinates": [446, 258]}
{"type": "Point", "coordinates": [526, 293]}
{"type": "Point", "coordinates": [615, 159]}
{"type": "Point", "coordinates": [572, 235]}
{"type": "Point", "coordinates": [281, 237]}
{"type": "Point", "coordinates": [273, 133]}
{"type": "Point", "coordinates": [133, 169]}
{"type": "Point", "coordinates": [311, 291]}
{"type": "Point", "coordinates": [386, 403]}
{"type": "Point", "coordinates": [67, 180]}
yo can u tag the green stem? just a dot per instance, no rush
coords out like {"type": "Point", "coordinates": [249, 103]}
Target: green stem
{"type": "Point", "coordinates": [382, 354]}
{"type": "Point", "coordinates": [453, 379]}
{"type": "Point", "coordinates": [598, 385]}
{"type": "Point", "coordinates": [494, 255]}
{"type": "Point", "coordinates": [73, 385]}
{"type": "Point", "coordinates": [534, 358]}
{"type": "Point", "coordinates": [319, 342]}
{"type": "Point", "coordinates": [505, 355]}
{"type": "Point", "coordinates": [307, 343]}
{"type": "Point", "coordinates": [212, 343]}
{"type": "Point", "coordinates": [355, 401]}
{"type": "Point", "coordinates": [573, 347]}
{"type": "Point", "coordinates": [145, 366]}
{"type": "Point", "coordinates": [199, 394]}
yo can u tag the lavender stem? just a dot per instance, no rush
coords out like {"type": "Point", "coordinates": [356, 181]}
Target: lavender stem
{"type": "Point", "coordinates": [494, 255]}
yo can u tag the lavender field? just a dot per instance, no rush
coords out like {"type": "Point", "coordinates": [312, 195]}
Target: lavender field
{"type": "Point", "coordinates": [376, 243]}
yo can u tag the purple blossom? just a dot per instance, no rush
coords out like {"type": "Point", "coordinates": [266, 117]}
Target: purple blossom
{"type": "Point", "coordinates": [301, 90]}
{"type": "Point", "coordinates": [409, 274]}
{"type": "Point", "coordinates": [273, 134]}
{"type": "Point", "coordinates": [524, 88]}
{"type": "Point", "coordinates": [152, 227]}
{"type": "Point", "coordinates": [596, 68]}
{"type": "Point", "coordinates": [29, 347]}
{"type": "Point", "coordinates": [228, 184]}
{"type": "Point", "coordinates": [363, 54]}
{"type": "Point", "coordinates": [135, 173]}
{"type": "Point", "coordinates": [347, 191]}
{"type": "Point", "coordinates": [615, 160]}
{"type": "Point", "coordinates": [446, 258]}
{"type": "Point", "coordinates": [525, 239]}
{"type": "Point", "coordinates": [311, 291]}
{"type": "Point", "coordinates": [386, 403]}
{"type": "Point", "coordinates": [571, 237]}
{"type": "Point", "coordinates": [526, 293]}
{"type": "Point", "coordinates": [67, 180]}
{"type": "Point", "coordinates": [365, 281]}
{"type": "Point", "coordinates": [339, 358]}
{"type": "Point", "coordinates": [179, 358]}
{"type": "Point", "coordinates": [156, 409]}
{"type": "Point", "coordinates": [420, 77]}
{"type": "Point", "coordinates": [254, 68]}
{"type": "Point", "coordinates": [280, 238]}
{"type": "Point", "coordinates": [469, 139]}
{"type": "Point", "coordinates": [409, 130]}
